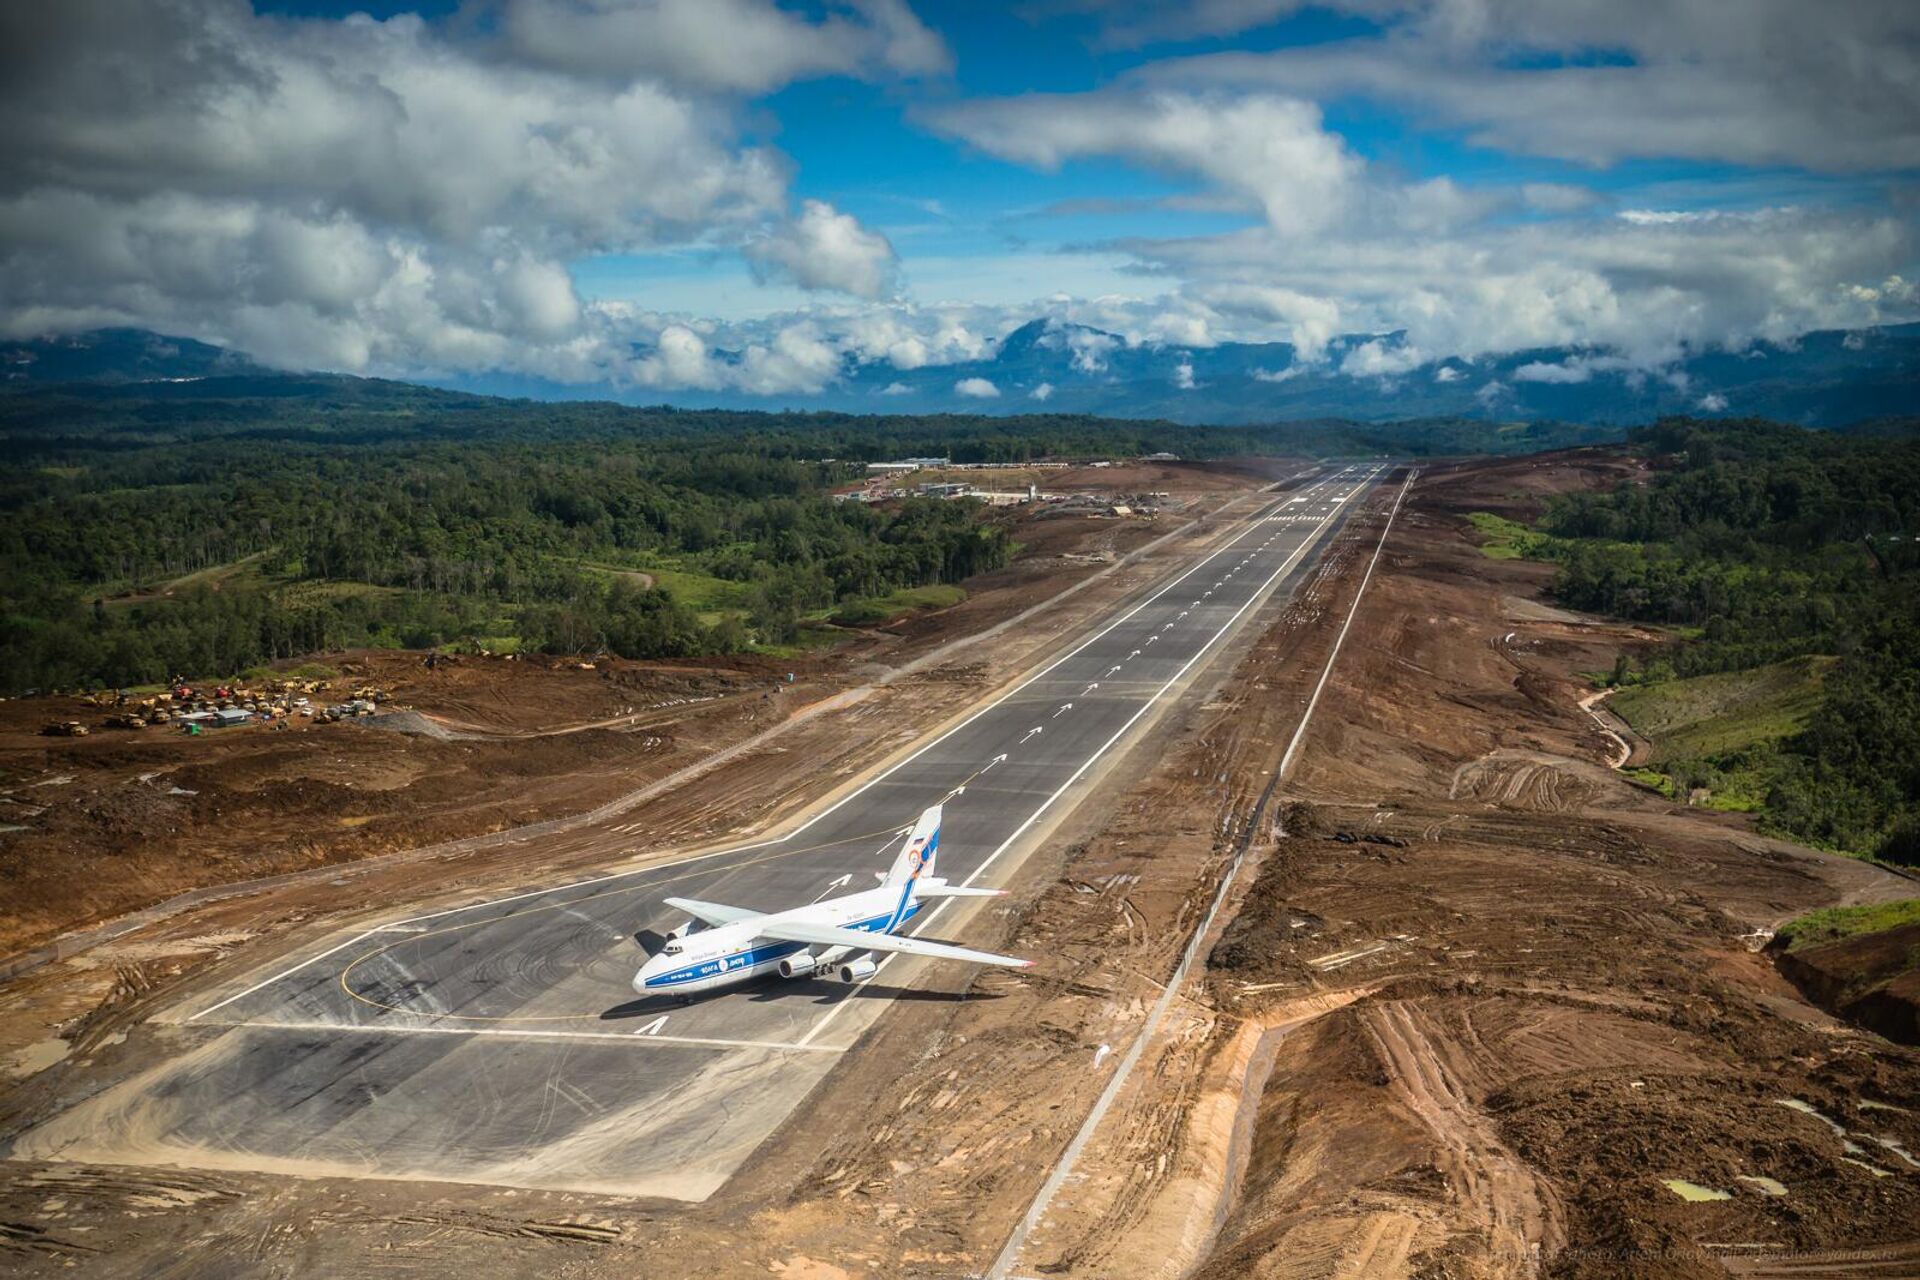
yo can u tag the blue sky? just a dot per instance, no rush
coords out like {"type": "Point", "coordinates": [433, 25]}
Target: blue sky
{"type": "Point", "coordinates": [617, 192]}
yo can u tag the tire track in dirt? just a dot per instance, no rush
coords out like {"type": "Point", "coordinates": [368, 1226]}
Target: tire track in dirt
{"type": "Point", "coordinates": [1498, 1193]}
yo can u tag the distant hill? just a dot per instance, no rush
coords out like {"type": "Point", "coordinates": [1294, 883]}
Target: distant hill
{"type": "Point", "coordinates": [1825, 379]}
{"type": "Point", "coordinates": [116, 355]}
{"type": "Point", "coordinates": [1831, 378]}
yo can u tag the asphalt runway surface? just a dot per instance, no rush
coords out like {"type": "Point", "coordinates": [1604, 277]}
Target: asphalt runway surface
{"type": "Point", "coordinates": [502, 1042]}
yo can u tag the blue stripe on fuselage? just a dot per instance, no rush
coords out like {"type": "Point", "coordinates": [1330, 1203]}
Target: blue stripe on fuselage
{"type": "Point", "coordinates": [719, 965]}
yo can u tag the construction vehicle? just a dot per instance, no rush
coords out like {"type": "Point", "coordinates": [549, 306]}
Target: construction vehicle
{"type": "Point", "coordinates": [65, 729]}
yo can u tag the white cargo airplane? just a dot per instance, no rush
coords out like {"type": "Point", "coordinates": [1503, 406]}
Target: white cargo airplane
{"type": "Point", "coordinates": [724, 946]}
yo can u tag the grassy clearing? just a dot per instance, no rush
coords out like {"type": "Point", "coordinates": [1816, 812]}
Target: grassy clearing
{"type": "Point", "coordinates": [1504, 539]}
{"type": "Point", "coordinates": [710, 598]}
{"type": "Point", "coordinates": [1740, 790]}
{"type": "Point", "coordinates": [875, 610]}
{"type": "Point", "coordinates": [1703, 717]}
{"type": "Point", "coordinates": [1721, 732]}
{"type": "Point", "coordinates": [1831, 924]}
{"type": "Point", "coordinates": [700, 592]}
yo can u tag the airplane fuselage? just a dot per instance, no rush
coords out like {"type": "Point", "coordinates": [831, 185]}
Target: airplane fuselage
{"type": "Point", "coordinates": [730, 954]}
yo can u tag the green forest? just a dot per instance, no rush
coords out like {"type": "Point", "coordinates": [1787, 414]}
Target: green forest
{"type": "Point", "coordinates": [206, 526]}
{"type": "Point", "coordinates": [126, 565]}
{"type": "Point", "coordinates": [1788, 555]}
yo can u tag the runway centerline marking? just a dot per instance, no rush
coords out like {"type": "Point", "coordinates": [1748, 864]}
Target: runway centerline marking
{"type": "Point", "coordinates": [1227, 549]}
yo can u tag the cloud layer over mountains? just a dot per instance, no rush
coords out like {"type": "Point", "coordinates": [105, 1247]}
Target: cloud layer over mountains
{"type": "Point", "coordinates": [417, 197]}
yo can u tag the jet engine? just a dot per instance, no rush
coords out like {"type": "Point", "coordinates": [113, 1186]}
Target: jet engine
{"type": "Point", "coordinates": [858, 970]}
{"type": "Point", "coordinates": [798, 965]}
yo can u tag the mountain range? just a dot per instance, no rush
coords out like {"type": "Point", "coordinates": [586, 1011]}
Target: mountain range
{"type": "Point", "coordinates": [1826, 378]}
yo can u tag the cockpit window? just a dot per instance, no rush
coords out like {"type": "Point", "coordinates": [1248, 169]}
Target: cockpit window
{"type": "Point", "coordinates": [672, 948]}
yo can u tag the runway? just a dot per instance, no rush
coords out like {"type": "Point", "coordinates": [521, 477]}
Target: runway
{"type": "Point", "coordinates": [500, 1042]}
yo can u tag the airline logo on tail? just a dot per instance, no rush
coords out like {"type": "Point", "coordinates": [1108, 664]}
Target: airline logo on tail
{"type": "Point", "coordinates": [916, 856]}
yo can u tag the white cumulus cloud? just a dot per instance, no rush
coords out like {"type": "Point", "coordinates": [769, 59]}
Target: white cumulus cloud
{"type": "Point", "coordinates": [826, 249]}
{"type": "Point", "coordinates": [1270, 151]}
{"type": "Point", "coordinates": [401, 195]}
{"type": "Point", "coordinates": [1381, 359]}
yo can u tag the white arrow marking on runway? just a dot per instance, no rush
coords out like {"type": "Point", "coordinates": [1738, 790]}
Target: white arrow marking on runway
{"type": "Point", "coordinates": [1151, 639]}
{"type": "Point", "coordinates": [1090, 688]}
{"type": "Point", "coordinates": [1064, 708]}
{"type": "Point", "coordinates": [1133, 655]}
{"type": "Point", "coordinates": [1112, 669]}
{"type": "Point", "coordinates": [653, 1028]}
{"type": "Point", "coordinates": [1183, 613]}
{"type": "Point", "coordinates": [1031, 732]}
{"type": "Point", "coordinates": [996, 760]}
{"type": "Point", "coordinates": [841, 883]}
{"type": "Point", "coordinates": [1169, 626]}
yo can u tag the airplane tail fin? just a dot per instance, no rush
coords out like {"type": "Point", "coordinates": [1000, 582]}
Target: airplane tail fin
{"type": "Point", "coordinates": [917, 854]}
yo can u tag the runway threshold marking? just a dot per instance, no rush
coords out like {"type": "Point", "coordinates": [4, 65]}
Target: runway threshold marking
{"type": "Point", "coordinates": [1254, 598]}
{"type": "Point", "coordinates": [284, 973]}
{"type": "Point", "coordinates": [1252, 523]}
{"type": "Point", "coordinates": [634, 1038]}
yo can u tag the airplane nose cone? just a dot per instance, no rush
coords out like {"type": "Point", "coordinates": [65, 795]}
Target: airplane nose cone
{"type": "Point", "coordinates": [640, 981]}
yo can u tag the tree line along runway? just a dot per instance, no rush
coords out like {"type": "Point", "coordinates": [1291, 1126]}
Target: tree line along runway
{"type": "Point", "coordinates": [500, 1042]}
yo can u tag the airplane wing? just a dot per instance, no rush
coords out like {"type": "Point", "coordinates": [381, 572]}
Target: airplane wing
{"type": "Point", "coordinates": [860, 940]}
{"type": "Point", "coordinates": [713, 913]}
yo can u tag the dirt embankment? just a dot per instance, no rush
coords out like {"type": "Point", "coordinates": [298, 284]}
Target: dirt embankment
{"type": "Point", "coordinates": [1871, 979]}
{"type": "Point", "coordinates": [1563, 1009]}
